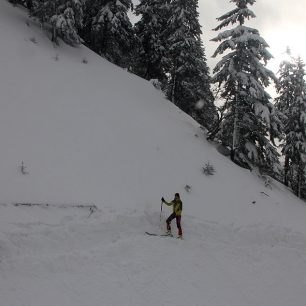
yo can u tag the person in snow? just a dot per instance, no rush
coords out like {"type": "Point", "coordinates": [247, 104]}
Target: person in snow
{"type": "Point", "coordinates": [176, 214]}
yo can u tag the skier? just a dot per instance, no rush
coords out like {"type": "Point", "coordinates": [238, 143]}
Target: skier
{"type": "Point", "coordinates": [177, 214]}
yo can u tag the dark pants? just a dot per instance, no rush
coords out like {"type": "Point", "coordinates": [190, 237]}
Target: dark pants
{"type": "Point", "coordinates": [178, 222]}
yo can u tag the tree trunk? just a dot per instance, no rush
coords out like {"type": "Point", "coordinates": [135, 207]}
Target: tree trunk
{"type": "Point", "coordinates": [235, 130]}
{"type": "Point", "coordinates": [54, 36]}
{"type": "Point", "coordinates": [173, 89]}
{"type": "Point", "coordinates": [300, 180]}
{"type": "Point", "coordinates": [286, 171]}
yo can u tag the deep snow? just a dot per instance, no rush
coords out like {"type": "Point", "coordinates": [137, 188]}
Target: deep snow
{"type": "Point", "coordinates": [95, 134]}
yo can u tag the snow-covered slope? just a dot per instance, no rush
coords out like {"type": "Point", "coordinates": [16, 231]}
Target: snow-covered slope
{"type": "Point", "coordinates": [95, 134]}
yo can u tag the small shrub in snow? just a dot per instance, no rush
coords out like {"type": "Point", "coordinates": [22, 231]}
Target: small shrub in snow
{"type": "Point", "coordinates": [188, 188]}
{"type": "Point", "coordinates": [208, 169]}
{"type": "Point", "coordinates": [267, 181]}
{"type": "Point", "coordinates": [156, 83]}
{"type": "Point", "coordinates": [33, 40]}
{"type": "Point", "coordinates": [23, 169]}
{"type": "Point", "coordinates": [92, 209]}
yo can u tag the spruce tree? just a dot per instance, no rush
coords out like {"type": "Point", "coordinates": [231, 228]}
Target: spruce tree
{"type": "Point", "coordinates": [242, 75]}
{"type": "Point", "coordinates": [151, 62]}
{"type": "Point", "coordinates": [91, 9]}
{"type": "Point", "coordinates": [108, 30]}
{"type": "Point", "coordinates": [64, 16]}
{"type": "Point", "coordinates": [189, 80]}
{"type": "Point", "coordinates": [292, 102]}
{"type": "Point", "coordinates": [286, 87]}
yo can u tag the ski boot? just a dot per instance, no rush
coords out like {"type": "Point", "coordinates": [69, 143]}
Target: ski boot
{"type": "Point", "coordinates": [168, 233]}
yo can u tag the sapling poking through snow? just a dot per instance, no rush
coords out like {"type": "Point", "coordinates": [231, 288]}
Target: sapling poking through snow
{"type": "Point", "coordinates": [188, 188]}
{"type": "Point", "coordinates": [208, 169]}
{"type": "Point", "coordinates": [33, 40]}
{"type": "Point", "coordinates": [23, 169]}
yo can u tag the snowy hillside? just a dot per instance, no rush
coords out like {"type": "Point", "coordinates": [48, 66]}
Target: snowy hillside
{"type": "Point", "coordinates": [93, 134]}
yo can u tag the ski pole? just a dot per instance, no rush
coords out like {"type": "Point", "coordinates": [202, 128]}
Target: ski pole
{"type": "Point", "coordinates": [161, 209]}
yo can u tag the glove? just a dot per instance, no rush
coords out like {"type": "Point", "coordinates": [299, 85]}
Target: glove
{"type": "Point", "coordinates": [163, 200]}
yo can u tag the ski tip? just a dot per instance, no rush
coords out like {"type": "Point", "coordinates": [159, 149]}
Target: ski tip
{"type": "Point", "coordinates": [151, 234]}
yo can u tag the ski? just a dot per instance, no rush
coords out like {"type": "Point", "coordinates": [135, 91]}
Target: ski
{"type": "Point", "coordinates": [162, 235]}
{"type": "Point", "coordinates": [158, 235]}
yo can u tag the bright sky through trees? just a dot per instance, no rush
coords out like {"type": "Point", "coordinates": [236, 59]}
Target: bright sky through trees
{"type": "Point", "coordinates": [280, 22]}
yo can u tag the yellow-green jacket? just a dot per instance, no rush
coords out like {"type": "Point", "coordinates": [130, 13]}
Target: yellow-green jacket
{"type": "Point", "coordinates": [177, 206]}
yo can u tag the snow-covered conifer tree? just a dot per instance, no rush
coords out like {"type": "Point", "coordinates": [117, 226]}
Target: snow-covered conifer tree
{"type": "Point", "coordinates": [242, 75]}
{"type": "Point", "coordinates": [151, 62]}
{"type": "Point", "coordinates": [64, 16]}
{"type": "Point", "coordinates": [109, 30]}
{"type": "Point", "coordinates": [286, 87]}
{"type": "Point", "coordinates": [90, 9]}
{"type": "Point", "coordinates": [189, 80]}
{"type": "Point", "coordinates": [292, 102]}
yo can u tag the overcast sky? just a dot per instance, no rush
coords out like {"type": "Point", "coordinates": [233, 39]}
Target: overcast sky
{"type": "Point", "coordinates": [281, 23]}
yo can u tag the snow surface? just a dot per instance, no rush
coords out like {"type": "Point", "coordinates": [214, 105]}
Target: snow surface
{"type": "Point", "coordinates": [95, 134]}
